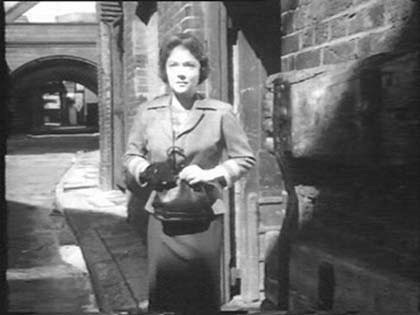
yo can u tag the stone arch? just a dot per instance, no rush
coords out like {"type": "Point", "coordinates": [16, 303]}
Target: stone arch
{"type": "Point", "coordinates": [30, 77]}
{"type": "Point", "coordinates": [59, 67]}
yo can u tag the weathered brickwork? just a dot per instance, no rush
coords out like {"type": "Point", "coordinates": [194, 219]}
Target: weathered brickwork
{"type": "Point", "coordinates": [181, 16]}
{"type": "Point", "coordinates": [135, 61]}
{"type": "Point", "coordinates": [327, 26]}
{"type": "Point", "coordinates": [357, 62]}
{"type": "Point", "coordinates": [28, 42]}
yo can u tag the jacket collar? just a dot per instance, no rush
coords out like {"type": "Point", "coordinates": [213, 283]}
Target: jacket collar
{"type": "Point", "coordinates": [196, 115]}
{"type": "Point", "coordinates": [201, 103]}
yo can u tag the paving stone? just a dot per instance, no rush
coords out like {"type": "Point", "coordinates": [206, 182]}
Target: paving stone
{"type": "Point", "coordinates": [114, 253]}
{"type": "Point", "coordinates": [119, 226]}
{"type": "Point", "coordinates": [107, 272]}
{"type": "Point", "coordinates": [119, 297]}
{"type": "Point", "coordinates": [120, 211]}
{"type": "Point", "coordinates": [71, 202]}
{"type": "Point", "coordinates": [51, 294]}
{"type": "Point", "coordinates": [42, 275]}
{"type": "Point", "coordinates": [121, 240]}
{"type": "Point", "coordinates": [138, 286]}
{"type": "Point", "coordinates": [134, 250]}
{"type": "Point", "coordinates": [132, 266]}
{"type": "Point", "coordinates": [72, 254]}
{"type": "Point", "coordinates": [86, 220]}
{"type": "Point", "coordinates": [99, 202]}
{"type": "Point", "coordinates": [93, 248]}
{"type": "Point", "coordinates": [43, 272]}
{"type": "Point", "coordinates": [35, 249]}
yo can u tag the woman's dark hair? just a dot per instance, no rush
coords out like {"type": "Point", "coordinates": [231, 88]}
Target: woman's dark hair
{"type": "Point", "coordinates": [191, 43]}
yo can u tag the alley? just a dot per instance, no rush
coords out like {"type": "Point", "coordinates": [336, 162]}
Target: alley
{"type": "Point", "coordinates": [46, 271]}
{"type": "Point", "coordinates": [327, 93]}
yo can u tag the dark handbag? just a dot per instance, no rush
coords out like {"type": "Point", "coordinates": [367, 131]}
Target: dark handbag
{"type": "Point", "coordinates": [184, 203]}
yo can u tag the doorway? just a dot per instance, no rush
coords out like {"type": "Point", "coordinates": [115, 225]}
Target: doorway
{"type": "Point", "coordinates": [249, 48]}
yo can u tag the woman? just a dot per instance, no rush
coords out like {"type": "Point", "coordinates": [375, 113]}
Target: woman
{"type": "Point", "coordinates": [175, 149]}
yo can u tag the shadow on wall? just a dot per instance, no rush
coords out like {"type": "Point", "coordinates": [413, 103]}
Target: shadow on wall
{"type": "Point", "coordinates": [263, 40]}
{"type": "Point", "coordinates": [350, 161]}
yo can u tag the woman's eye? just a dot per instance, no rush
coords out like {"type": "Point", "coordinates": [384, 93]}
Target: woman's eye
{"type": "Point", "coordinates": [190, 65]}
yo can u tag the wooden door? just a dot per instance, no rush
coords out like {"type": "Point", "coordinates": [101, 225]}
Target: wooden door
{"type": "Point", "coordinates": [253, 54]}
{"type": "Point", "coordinates": [238, 77]}
{"type": "Point", "coordinates": [248, 76]}
{"type": "Point", "coordinates": [243, 46]}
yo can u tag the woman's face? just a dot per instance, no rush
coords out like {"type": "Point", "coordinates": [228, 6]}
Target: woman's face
{"type": "Point", "coordinates": [183, 71]}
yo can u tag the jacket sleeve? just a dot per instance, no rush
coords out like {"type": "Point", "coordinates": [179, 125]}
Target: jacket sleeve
{"type": "Point", "coordinates": [240, 158]}
{"type": "Point", "coordinates": [135, 158]}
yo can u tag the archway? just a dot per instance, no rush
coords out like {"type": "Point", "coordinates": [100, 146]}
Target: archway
{"type": "Point", "coordinates": [48, 75]}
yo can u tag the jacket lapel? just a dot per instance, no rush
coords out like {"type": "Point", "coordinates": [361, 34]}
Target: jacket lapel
{"type": "Point", "coordinates": [161, 107]}
{"type": "Point", "coordinates": [195, 117]}
{"type": "Point", "coordinates": [165, 123]}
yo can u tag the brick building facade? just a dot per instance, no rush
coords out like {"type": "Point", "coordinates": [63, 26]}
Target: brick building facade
{"type": "Point", "coordinates": [327, 92]}
{"type": "Point", "coordinates": [41, 53]}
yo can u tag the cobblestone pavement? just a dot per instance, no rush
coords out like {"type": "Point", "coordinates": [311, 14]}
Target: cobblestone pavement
{"type": "Point", "coordinates": [46, 271]}
{"type": "Point", "coordinates": [71, 249]}
{"type": "Point", "coordinates": [115, 254]}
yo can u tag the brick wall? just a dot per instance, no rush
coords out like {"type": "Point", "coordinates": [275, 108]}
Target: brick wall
{"type": "Point", "coordinates": [318, 33]}
{"type": "Point", "coordinates": [353, 105]}
{"type": "Point", "coordinates": [136, 93]}
{"type": "Point", "coordinates": [29, 45]}
{"type": "Point", "coordinates": [135, 60]}
{"type": "Point", "coordinates": [27, 42]}
{"type": "Point", "coordinates": [24, 54]}
{"type": "Point", "coordinates": [142, 44]}
{"type": "Point", "coordinates": [181, 16]}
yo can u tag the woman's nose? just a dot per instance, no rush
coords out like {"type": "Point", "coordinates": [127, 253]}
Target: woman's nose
{"type": "Point", "coordinates": [181, 76]}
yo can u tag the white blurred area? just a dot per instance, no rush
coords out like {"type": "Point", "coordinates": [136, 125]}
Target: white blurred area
{"type": "Point", "coordinates": [72, 255]}
{"type": "Point", "coordinates": [57, 11]}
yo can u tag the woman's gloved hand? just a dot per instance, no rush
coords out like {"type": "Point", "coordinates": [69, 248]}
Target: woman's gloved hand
{"type": "Point", "coordinates": [159, 176]}
{"type": "Point", "coordinates": [193, 175]}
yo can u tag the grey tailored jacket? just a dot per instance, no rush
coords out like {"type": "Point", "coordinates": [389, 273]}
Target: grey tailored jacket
{"type": "Point", "coordinates": [211, 138]}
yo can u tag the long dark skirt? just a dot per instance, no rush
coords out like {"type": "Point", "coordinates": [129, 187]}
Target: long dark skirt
{"type": "Point", "coordinates": [184, 267]}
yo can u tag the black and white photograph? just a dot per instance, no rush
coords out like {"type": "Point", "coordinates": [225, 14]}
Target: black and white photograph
{"type": "Point", "coordinates": [210, 157]}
